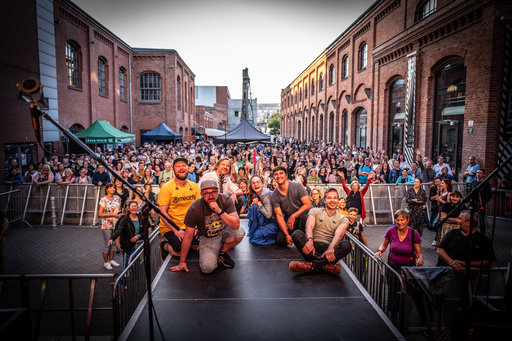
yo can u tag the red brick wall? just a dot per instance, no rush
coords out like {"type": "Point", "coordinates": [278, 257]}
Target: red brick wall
{"type": "Point", "coordinates": [474, 35]}
{"type": "Point", "coordinates": [19, 29]}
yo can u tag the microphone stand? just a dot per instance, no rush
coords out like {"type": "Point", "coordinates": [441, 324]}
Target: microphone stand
{"type": "Point", "coordinates": [473, 210]}
{"type": "Point", "coordinates": [149, 205]}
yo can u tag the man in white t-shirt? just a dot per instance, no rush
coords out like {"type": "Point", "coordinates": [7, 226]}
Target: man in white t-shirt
{"type": "Point", "coordinates": [438, 167]}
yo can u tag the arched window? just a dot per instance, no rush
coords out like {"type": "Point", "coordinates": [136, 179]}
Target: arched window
{"type": "Point", "coordinates": [345, 67]}
{"type": "Point", "coordinates": [312, 86]}
{"type": "Point", "coordinates": [360, 127]}
{"type": "Point", "coordinates": [300, 94]}
{"type": "Point", "coordinates": [186, 97]}
{"type": "Point", "coordinates": [313, 129]}
{"type": "Point", "coordinates": [449, 109]}
{"type": "Point", "coordinates": [299, 130]}
{"type": "Point", "coordinates": [186, 131]}
{"type": "Point", "coordinates": [305, 129]}
{"type": "Point", "coordinates": [122, 76]}
{"type": "Point", "coordinates": [321, 82]}
{"type": "Point", "coordinates": [150, 87]}
{"type": "Point", "coordinates": [306, 91]}
{"type": "Point", "coordinates": [426, 9]}
{"type": "Point", "coordinates": [321, 134]}
{"type": "Point", "coordinates": [102, 76]}
{"type": "Point", "coordinates": [331, 74]}
{"type": "Point", "coordinates": [396, 115]}
{"type": "Point", "coordinates": [363, 56]}
{"type": "Point", "coordinates": [124, 129]}
{"type": "Point", "coordinates": [181, 131]}
{"type": "Point", "coordinates": [178, 93]}
{"type": "Point", "coordinates": [76, 128]}
{"type": "Point", "coordinates": [73, 64]}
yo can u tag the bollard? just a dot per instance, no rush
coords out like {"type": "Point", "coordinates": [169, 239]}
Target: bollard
{"type": "Point", "coordinates": [54, 216]}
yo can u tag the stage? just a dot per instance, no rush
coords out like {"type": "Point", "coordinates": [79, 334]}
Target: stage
{"type": "Point", "coordinates": [260, 299]}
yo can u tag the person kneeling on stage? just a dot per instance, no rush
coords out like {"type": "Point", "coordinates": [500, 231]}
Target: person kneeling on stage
{"type": "Point", "coordinates": [321, 245]}
{"type": "Point", "coordinates": [218, 227]}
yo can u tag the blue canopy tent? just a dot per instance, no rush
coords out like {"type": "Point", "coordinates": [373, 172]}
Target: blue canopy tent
{"type": "Point", "coordinates": [161, 133]}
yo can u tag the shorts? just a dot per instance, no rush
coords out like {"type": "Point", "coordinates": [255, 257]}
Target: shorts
{"type": "Point", "coordinates": [209, 248]}
{"type": "Point", "coordinates": [175, 242]}
{"type": "Point", "coordinates": [107, 234]}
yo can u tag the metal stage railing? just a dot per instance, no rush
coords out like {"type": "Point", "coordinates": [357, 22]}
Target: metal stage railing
{"type": "Point", "coordinates": [130, 287]}
{"type": "Point", "coordinates": [24, 325]}
{"type": "Point", "coordinates": [11, 203]}
{"type": "Point", "coordinates": [78, 204]}
{"type": "Point", "coordinates": [382, 282]}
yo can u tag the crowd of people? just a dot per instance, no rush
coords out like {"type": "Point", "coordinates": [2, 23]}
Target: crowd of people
{"type": "Point", "coordinates": [204, 188]}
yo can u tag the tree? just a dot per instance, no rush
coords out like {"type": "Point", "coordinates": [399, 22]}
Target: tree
{"type": "Point", "coordinates": [274, 123]}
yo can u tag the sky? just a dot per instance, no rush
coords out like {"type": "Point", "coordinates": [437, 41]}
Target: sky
{"type": "Point", "coordinates": [217, 39]}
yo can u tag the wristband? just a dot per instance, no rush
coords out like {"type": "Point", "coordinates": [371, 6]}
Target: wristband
{"type": "Point", "coordinates": [221, 212]}
{"type": "Point", "coordinates": [287, 234]}
{"type": "Point", "coordinates": [310, 239]}
{"type": "Point", "coordinates": [182, 261]}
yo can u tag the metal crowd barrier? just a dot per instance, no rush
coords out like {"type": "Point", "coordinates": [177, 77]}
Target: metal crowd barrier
{"type": "Point", "coordinates": [11, 202]}
{"type": "Point", "coordinates": [130, 287]}
{"type": "Point", "coordinates": [384, 284]}
{"type": "Point", "coordinates": [78, 204]}
{"type": "Point", "coordinates": [25, 328]}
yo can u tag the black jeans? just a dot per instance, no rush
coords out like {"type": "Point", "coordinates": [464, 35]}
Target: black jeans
{"type": "Point", "coordinates": [481, 221]}
{"type": "Point", "coordinates": [299, 224]}
{"type": "Point", "coordinates": [341, 250]}
{"type": "Point", "coordinates": [240, 204]}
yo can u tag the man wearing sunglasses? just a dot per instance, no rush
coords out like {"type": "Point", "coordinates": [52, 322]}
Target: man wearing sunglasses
{"type": "Point", "coordinates": [218, 226]}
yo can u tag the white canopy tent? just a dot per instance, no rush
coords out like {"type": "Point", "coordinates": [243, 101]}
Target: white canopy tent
{"type": "Point", "coordinates": [214, 132]}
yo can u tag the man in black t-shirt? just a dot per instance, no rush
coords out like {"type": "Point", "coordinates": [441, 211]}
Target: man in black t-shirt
{"type": "Point", "coordinates": [218, 226]}
{"type": "Point", "coordinates": [453, 248]}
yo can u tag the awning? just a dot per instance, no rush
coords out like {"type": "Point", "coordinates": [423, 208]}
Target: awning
{"type": "Point", "coordinates": [161, 133]}
{"type": "Point", "coordinates": [102, 132]}
{"type": "Point", "coordinates": [214, 132]}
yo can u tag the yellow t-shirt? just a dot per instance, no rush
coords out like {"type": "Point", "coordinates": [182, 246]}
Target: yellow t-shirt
{"type": "Point", "coordinates": [179, 200]}
{"type": "Point", "coordinates": [343, 212]}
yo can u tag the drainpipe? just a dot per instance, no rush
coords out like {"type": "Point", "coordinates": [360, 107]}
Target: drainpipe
{"type": "Point", "coordinates": [130, 77]}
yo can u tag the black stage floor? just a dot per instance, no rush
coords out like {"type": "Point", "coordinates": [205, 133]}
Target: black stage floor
{"type": "Point", "coordinates": [260, 299]}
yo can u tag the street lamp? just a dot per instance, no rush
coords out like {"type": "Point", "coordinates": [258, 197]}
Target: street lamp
{"type": "Point", "coordinates": [225, 123]}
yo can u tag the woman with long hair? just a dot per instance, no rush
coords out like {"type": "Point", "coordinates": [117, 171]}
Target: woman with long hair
{"type": "Point", "coordinates": [403, 162]}
{"type": "Point", "coordinates": [453, 220]}
{"type": "Point", "coordinates": [441, 198]}
{"type": "Point", "coordinates": [416, 198]}
{"type": "Point", "coordinates": [121, 191]}
{"type": "Point", "coordinates": [130, 231]}
{"type": "Point", "coordinates": [148, 178]}
{"type": "Point", "coordinates": [68, 178]}
{"type": "Point", "coordinates": [316, 198]}
{"type": "Point", "coordinates": [45, 177]}
{"type": "Point", "coordinates": [355, 195]}
{"type": "Point", "coordinates": [323, 175]}
{"type": "Point", "coordinates": [342, 207]}
{"type": "Point", "coordinates": [109, 211]}
{"type": "Point", "coordinates": [384, 171]}
{"type": "Point", "coordinates": [263, 227]}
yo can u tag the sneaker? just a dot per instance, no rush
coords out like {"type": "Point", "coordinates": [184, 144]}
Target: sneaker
{"type": "Point", "coordinates": [163, 251]}
{"type": "Point", "coordinates": [107, 266]}
{"type": "Point", "coordinates": [226, 260]}
{"type": "Point", "coordinates": [296, 266]}
{"type": "Point", "coordinates": [334, 268]}
{"type": "Point", "coordinates": [434, 243]}
{"type": "Point", "coordinates": [114, 263]}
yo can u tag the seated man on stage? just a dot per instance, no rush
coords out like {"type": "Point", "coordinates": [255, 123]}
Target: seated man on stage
{"type": "Point", "coordinates": [321, 245]}
{"type": "Point", "coordinates": [218, 227]}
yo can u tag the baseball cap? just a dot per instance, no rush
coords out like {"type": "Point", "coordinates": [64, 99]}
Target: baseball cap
{"type": "Point", "coordinates": [178, 160]}
{"type": "Point", "coordinates": [206, 184]}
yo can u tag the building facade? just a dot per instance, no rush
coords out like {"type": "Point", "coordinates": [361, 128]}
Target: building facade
{"type": "Point", "coordinates": [412, 74]}
{"type": "Point", "coordinates": [265, 110]}
{"type": "Point", "coordinates": [88, 74]}
{"type": "Point", "coordinates": [235, 112]}
{"type": "Point", "coordinates": [211, 106]}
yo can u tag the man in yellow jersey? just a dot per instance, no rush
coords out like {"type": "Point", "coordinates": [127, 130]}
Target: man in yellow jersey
{"type": "Point", "coordinates": [174, 199]}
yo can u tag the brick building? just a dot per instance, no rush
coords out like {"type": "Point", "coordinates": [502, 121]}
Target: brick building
{"type": "Point", "coordinates": [421, 74]}
{"type": "Point", "coordinates": [211, 106]}
{"type": "Point", "coordinates": [88, 74]}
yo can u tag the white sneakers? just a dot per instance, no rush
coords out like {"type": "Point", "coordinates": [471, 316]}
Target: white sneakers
{"type": "Point", "coordinates": [109, 265]}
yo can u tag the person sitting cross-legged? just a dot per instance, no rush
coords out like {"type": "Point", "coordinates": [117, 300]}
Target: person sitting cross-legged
{"type": "Point", "coordinates": [321, 246]}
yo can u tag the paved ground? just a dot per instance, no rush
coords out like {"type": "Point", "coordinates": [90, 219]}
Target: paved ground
{"type": "Point", "coordinates": [77, 250]}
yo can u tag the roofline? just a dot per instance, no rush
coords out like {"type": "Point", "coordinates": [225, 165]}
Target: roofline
{"type": "Point", "coordinates": [340, 37]}
{"type": "Point", "coordinates": [85, 14]}
{"type": "Point", "coordinates": [144, 49]}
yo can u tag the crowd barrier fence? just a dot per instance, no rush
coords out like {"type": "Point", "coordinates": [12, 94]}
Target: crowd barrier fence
{"type": "Point", "coordinates": [78, 204]}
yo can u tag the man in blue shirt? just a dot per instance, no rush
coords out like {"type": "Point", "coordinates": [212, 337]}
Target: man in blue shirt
{"type": "Point", "coordinates": [100, 177]}
{"type": "Point", "coordinates": [364, 171]}
{"type": "Point", "coordinates": [394, 173]}
{"type": "Point", "coordinates": [192, 176]}
{"type": "Point", "coordinates": [470, 172]}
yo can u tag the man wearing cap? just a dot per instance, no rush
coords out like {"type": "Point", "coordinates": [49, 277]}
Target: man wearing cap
{"type": "Point", "coordinates": [174, 200]}
{"type": "Point", "coordinates": [218, 227]}
{"type": "Point", "coordinates": [221, 175]}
